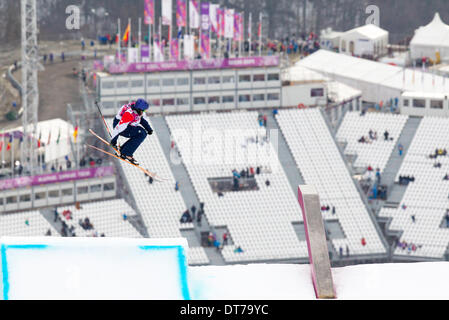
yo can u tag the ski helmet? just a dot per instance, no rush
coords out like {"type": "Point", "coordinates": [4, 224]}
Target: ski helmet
{"type": "Point", "coordinates": [141, 105]}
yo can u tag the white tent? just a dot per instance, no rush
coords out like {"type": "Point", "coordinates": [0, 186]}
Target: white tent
{"type": "Point", "coordinates": [377, 81]}
{"type": "Point", "coordinates": [430, 39]}
{"type": "Point", "coordinates": [367, 40]}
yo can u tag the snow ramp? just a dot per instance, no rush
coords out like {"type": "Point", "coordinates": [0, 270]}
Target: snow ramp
{"type": "Point", "coordinates": [93, 268]}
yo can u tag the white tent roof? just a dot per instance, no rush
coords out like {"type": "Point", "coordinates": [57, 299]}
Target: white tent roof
{"type": "Point", "coordinates": [373, 76]}
{"type": "Point", "coordinates": [370, 31]}
{"type": "Point", "coordinates": [436, 33]}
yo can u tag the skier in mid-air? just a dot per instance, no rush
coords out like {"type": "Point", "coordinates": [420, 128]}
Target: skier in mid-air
{"type": "Point", "coordinates": [130, 123]}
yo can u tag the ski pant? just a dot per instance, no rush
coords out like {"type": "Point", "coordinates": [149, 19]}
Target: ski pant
{"type": "Point", "coordinates": [136, 136]}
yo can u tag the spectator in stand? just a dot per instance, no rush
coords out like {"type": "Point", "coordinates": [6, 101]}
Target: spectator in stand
{"type": "Point", "coordinates": [186, 217]}
{"type": "Point", "coordinates": [267, 183]}
{"type": "Point", "coordinates": [340, 251]}
{"type": "Point", "coordinates": [265, 120]}
{"type": "Point", "coordinates": [45, 58]}
{"type": "Point", "coordinates": [51, 57]}
{"type": "Point", "coordinates": [413, 218]}
{"type": "Point", "coordinates": [363, 241]}
{"type": "Point", "coordinates": [347, 251]}
{"type": "Point", "coordinates": [225, 238]}
{"type": "Point", "coordinates": [193, 210]}
{"type": "Point", "coordinates": [238, 250]}
{"type": "Point", "coordinates": [150, 180]}
{"type": "Point", "coordinates": [386, 135]}
{"type": "Point", "coordinates": [62, 56]}
{"type": "Point", "coordinates": [177, 186]}
{"type": "Point", "coordinates": [198, 218]}
{"type": "Point", "coordinates": [401, 149]}
{"type": "Point", "coordinates": [217, 244]}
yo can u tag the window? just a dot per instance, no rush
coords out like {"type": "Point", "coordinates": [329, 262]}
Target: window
{"type": "Point", "coordinates": [53, 194]}
{"type": "Point", "coordinates": [122, 84]}
{"type": "Point", "coordinates": [108, 85]}
{"type": "Point", "coordinates": [168, 82]}
{"type": "Point", "coordinates": [137, 83]}
{"type": "Point", "coordinates": [214, 80]}
{"type": "Point", "coordinates": [182, 81]}
{"type": "Point", "coordinates": [273, 77]}
{"type": "Point", "coordinates": [259, 77]}
{"type": "Point", "coordinates": [199, 81]}
{"type": "Point", "coordinates": [245, 78]}
{"type": "Point", "coordinates": [40, 195]}
{"type": "Point", "coordinates": [199, 100]}
{"type": "Point", "coordinates": [228, 79]}
{"type": "Point", "coordinates": [182, 101]}
{"type": "Point", "coordinates": [12, 199]}
{"type": "Point", "coordinates": [108, 186]}
{"type": "Point", "coordinates": [168, 102]}
{"type": "Point", "coordinates": [273, 96]}
{"type": "Point", "coordinates": [213, 100]}
{"type": "Point", "coordinates": [259, 97]}
{"type": "Point", "coordinates": [419, 103]}
{"type": "Point", "coordinates": [406, 103]}
{"type": "Point", "coordinates": [1, 201]}
{"type": "Point", "coordinates": [317, 92]}
{"type": "Point", "coordinates": [82, 190]}
{"type": "Point", "coordinates": [155, 102]}
{"type": "Point", "coordinates": [95, 188]}
{"type": "Point", "coordinates": [227, 99]}
{"type": "Point", "coordinates": [108, 104]}
{"type": "Point", "coordinates": [25, 198]}
{"type": "Point", "coordinates": [244, 98]}
{"type": "Point", "coordinates": [154, 83]}
{"type": "Point", "coordinates": [67, 192]}
{"type": "Point", "coordinates": [436, 104]}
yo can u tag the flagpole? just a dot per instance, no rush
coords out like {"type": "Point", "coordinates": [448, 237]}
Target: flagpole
{"type": "Point", "coordinates": [260, 35]}
{"type": "Point", "coordinates": [140, 38]}
{"type": "Point", "coordinates": [249, 34]}
{"type": "Point", "coordinates": [119, 39]}
{"type": "Point", "coordinates": [149, 40]}
{"type": "Point", "coordinates": [129, 35]}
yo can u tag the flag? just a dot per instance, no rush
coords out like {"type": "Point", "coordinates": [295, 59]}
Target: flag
{"type": "Point", "coordinates": [179, 33]}
{"type": "Point", "coordinates": [220, 21]}
{"type": "Point", "coordinates": [189, 51]}
{"type": "Point", "coordinates": [8, 146]}
{"type": "Point", "coordinates": [213, 17]}
{"type": "Point", "coordinates": [174, 49]}
{"type": "Point", "coordinates": [149, 12]}
{"type": "Point", "coordinates": [126, 34]}
{"type": "Point", "coordinates": [205, 28]}
{"type": "Point", "coordinates": [1, 144]}
{"type": "Point", "coordinates": [259, 29]}
{"type": "Point", "coordinates": [194, 15]}
{"type": "Point", "coordinates": [238, 27]}
{"type": "Point", "coordinates": [59, 136]}
{"type": "Point", "coordinates": [181, 13]}
{"type": "Point", "coordinates": [249, 26]}
{"type": "Point", "coordinates": [229, 24]}
{"type": "Point", "coordinates": [39, 140]}
{"type": "Point", "coordinates": [49, 138]}
{"type": "Point", "coordinates": [166, 12]}
{"type": "Point", "coordinates": [75, 133]}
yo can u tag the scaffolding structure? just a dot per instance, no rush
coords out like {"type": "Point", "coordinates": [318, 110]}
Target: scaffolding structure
{"type": "Point", "coordinates": [30, 91]}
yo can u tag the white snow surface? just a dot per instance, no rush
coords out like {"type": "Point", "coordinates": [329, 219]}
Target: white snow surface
{"type": "Point", "coordinates": [110, 268]}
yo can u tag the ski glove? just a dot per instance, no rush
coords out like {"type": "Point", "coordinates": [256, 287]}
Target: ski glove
{"type": "Point", "coordinates": [150, 132]}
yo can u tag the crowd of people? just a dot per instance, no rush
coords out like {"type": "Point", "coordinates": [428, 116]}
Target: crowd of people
{"type": "Point", "coordinates": [372, 136]}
